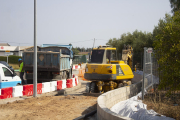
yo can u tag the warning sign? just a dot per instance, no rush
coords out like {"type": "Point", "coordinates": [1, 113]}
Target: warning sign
{"type": "Point", "coordinates": [150, 50]}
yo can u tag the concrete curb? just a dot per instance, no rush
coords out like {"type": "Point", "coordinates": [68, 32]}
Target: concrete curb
{"type": "Point", "coordinates": [69, 90]}
{"type": "Point", "coordinates": [109, 99]}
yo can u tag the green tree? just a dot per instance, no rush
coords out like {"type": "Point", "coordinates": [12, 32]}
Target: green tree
{"type": "Point", "coordinates": [175, 5]}
{"type": "Point", "coordinates": [138, 40]}
{"type": "Point", "coordinates": [167, 46]}
{"type": "Point", "coordinates": [75, 51]}
{"type": "Point", "coordinates": [159, 28]}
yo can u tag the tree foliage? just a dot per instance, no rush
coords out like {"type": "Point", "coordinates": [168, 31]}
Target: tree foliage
{"type": "Point", "coordinates": [175, 5]}
{"type": "Point", "coordinates": [159, 28]}
{"type": "Point", "coordinates": [75, 51]}
{"type": "Point", "coordinates": [138, 40]}
{"type": "Point", "coordinates": [167, 46]}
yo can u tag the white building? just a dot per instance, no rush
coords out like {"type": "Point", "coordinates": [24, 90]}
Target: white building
{"type": "Point", "coordinates": [16, 50]}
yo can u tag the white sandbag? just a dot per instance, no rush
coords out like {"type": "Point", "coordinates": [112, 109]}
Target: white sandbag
{"type": "Point", "coordinates": [137, 110]}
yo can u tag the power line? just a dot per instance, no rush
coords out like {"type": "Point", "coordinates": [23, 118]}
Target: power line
{"type": "Point", "coordinates": [85, 41]}
{"type": "Point", "coordinates": [78, 41]}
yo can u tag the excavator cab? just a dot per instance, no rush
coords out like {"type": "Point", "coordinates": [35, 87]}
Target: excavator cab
{"type": "Point", "coordinates": [103, 56]}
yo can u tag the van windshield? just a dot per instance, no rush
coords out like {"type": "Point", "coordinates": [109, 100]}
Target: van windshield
{"type": "Point", "coordinates": [97, 56]}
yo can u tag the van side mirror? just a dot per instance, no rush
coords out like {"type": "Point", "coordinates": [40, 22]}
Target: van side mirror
{"type": "Point", "coordinates": [14, 74]}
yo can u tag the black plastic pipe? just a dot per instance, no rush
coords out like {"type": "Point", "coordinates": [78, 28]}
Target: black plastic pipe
{"type": "Point", "coordinates": [86, 115]}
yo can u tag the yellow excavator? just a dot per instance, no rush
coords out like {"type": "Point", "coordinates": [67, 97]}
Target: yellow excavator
{"type": "Point", "coordinates": [106, 72]}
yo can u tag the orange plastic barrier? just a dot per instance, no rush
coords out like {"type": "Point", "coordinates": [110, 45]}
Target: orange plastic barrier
{"type": "Point", "coordinates": [76, 67]}
{"type": "Point", "coordinates": [76, 81]}
{"type": "Point", "coordinates": [28, 90]}
{"type": "Point", "coordinates": [59, 85]}
{"type": "Point", "coordinates": [6, 93]}
{"type": "Point", "coordinates": [69, 83]}
{"type": "Point", "coordinates": [39, 88]}
{"type": "Point", "coordinates": [81, 72]}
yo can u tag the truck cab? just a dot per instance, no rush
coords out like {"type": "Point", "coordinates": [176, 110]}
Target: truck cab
{"type": "Point", "coordinates": [8, 78]}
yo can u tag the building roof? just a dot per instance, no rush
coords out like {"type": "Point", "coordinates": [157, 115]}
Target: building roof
{"type": "Point", "coordinates": [31, 48]}
{"type": "Point", "coordinates": [24, 47]}
{"type": "Point", "coordinates": [4, 44]}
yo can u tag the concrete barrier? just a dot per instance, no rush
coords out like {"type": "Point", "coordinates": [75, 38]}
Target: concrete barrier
{"type": "Point", "coordinates": [17, 91]}
{"type": "Point", "coordinates": [109, 99]}
{"type": "Point", "coordinates": [53, 86]}
{"type": "Point", "coordinates": [63, 83]}
{"type": "Point", "coordinates": [73, 82]}
{"type": "Point", "coordinates": [45, 87]}
{"type": "Point", "coordinates": [27, 90]}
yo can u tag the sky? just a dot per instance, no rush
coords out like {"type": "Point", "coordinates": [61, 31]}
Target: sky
{"type": "Point", "coordinates": [78, 22]}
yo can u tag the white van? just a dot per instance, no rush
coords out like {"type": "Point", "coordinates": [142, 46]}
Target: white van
{"type": "Point", "coordinates": [8, 78]}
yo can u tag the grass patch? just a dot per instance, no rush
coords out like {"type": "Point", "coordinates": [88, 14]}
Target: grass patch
{"type": "Point", "coordinates": [159, 102]}
{"type": "Point", "coordinates": [14, 66]}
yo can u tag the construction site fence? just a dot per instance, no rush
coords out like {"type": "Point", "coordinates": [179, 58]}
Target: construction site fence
{"type": "Point", "coordinates": [152, 79]}
{"type": "Point", "coordinates": [79, 59]}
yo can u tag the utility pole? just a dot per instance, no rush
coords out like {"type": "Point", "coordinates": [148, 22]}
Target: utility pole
{"type": "Point", "coordinates": [35, 56]}
{"type": "Point", "coordinates": [94, 43]}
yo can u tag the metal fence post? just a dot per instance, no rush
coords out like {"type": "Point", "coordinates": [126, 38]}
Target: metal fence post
{"type": "Point", "coordinates": [151, 70]}
{"type": "Point", "coordinates": [145, 48]}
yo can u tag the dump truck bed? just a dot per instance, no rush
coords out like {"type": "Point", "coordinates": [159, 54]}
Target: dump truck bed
{"type": "Point", "coordinates": [46, 61]}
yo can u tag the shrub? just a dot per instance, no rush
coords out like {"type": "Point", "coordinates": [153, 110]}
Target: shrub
{"type": "Point", "coordinates": [11, 59]}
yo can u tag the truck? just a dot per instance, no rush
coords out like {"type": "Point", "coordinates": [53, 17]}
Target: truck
{"type": "Point", "coordinates": [53, 63]}
{"type": "Point", "coordinates": [105, 71]}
